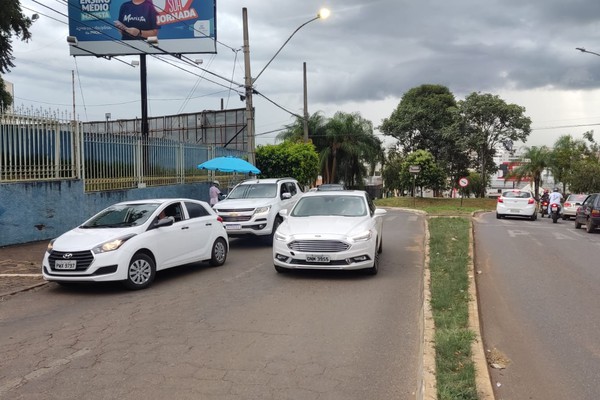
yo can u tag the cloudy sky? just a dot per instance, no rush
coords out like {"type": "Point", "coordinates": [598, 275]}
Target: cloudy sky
{"type": "Point", "coordinates": [362, 58]}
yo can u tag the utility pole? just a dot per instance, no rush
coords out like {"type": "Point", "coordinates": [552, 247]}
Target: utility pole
{"type": "Point", "coordinates": [305, 106]}
{"type": "Point", "coordinates": [248, 85]}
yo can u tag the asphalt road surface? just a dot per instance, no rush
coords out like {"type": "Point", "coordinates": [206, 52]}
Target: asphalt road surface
{"type": "Point", "coordinates": [240, 331]}
{"type": "Point", "coordinates": [539, 290]}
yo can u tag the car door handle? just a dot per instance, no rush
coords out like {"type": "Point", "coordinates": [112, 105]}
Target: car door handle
{"type": "Point", "coordinates": [208, 224]}
{"type": "Point", "coordinates": [185, 227]}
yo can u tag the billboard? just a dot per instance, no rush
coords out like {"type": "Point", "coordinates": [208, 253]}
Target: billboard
{"type": "Point", "coordinates": [505, 171]}
{"type": "Point", "coordinates": [122, 27]}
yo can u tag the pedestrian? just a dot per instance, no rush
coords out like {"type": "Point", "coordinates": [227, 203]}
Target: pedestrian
{"type": "Point", "coordinates": [214, 193]}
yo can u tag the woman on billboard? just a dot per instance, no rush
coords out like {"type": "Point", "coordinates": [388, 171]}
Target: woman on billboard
{"type": "Point", "coordinates": [137, 20]}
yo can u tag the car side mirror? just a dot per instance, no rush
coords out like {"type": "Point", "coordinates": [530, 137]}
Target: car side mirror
{"type": "Point", "coordinates": [167, 221]}
{"type": "Point", "coordinates": [283, 213]}
{"type": "Point", "coordinates": [286, 195]}
{"type": "Point", "coordinates": [380, 211]}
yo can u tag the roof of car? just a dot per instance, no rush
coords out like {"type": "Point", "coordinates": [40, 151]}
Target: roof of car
{"type": "Point", "coordinates": [335, 193]}
{"type": "Point", "coordinates": [266, 180]}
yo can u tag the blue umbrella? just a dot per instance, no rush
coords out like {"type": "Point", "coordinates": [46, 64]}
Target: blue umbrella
{"type": "Point", "coordinates": [229, 164]}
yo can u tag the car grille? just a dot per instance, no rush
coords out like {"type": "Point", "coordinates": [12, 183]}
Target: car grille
{"type": "Point", "coordinates": [238, 210]}
{"type": "Point", "coordinates": [83, 258]}
{"type": "Point", "coordinates": [239, 218]}
{"type": "Point", "coordinates": [318, 246]}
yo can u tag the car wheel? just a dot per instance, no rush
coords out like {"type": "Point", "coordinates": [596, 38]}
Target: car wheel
{"type": "Point", "coordinates": [589, 227]}
{"type": "Point", "coordinates": [140, 272]}
{"type": "Point", "coordinates": [577, 224]}
{"type": "Point", "coordinates": [270, 237]}
{"type": "Point", "coordinates": [375, 268]}
{"type": "Point", "coordinates": [279, 269]}
{"type": "Point", "coordinates": [219, 253]}
{"type": "Point", "coordinates": [533, 217]}
{"type": "Point", "coordinates": [498, 216]}
{"type": "Point", "coordinates": [380, 248]}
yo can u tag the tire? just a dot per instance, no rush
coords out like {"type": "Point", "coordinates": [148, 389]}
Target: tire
{"type": "Point", "coordinates": [140, 272]}
{"type": "Point", "coordinates": [554, 218]}
{"type": "Point", "coordinates": [498, 216]}
{"type": "Point", "coordinates": [577, 224]}
{"type": "Point", "coordinates": [375, 268]}
{"type": "Point", "coordinates": [380, 248]}
{"type": "Point", "coordinates": [269, 238]}
{"type": "Point", "coordinates": [533, 217]}
{"type": "Point", "coordinates": [218, 254]}
{"type": "Point", "coordinates": [280, 270]}
{"type": "Point", "coordinates": [589, 227]}
{"type": "Point", "coordinates": [564, 217]}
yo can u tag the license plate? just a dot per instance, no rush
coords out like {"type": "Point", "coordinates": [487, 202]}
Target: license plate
{"type": "Point", "coordinates": [317, 258]}
{"type": "Point", "coordinates": [233, 227]}
{"type": "Point", "coordinates": [515, 211]}
{"type": "Point", "coordinates": [65, 264]}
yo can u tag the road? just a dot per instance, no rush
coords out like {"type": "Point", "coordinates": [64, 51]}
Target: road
{"type": "Point", "coordinates": [538, 288]}
{"type": "Point", "coordinates": [240, 331]}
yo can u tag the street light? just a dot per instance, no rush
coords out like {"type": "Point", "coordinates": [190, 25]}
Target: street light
{"type": "Point", "coordinates": [249, 82]}
{"type": "Point", "coordinates": [583, 50]}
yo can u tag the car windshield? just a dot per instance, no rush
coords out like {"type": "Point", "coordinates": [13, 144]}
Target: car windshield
{"type": "Point", "coordinates": [576, 198]}
{"type": "Point", "coordinates": [122, 215]}
{"type": "Point", "coordinates": [344, 206]}
{"type": "Point", "coordinates": [516, 195]}
{"type": "Point", "coordinates": [254, 191]}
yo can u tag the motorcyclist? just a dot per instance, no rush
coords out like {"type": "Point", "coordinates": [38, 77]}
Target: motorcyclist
{"type": "Point", "coordinates": [543, 199]}
{"type": "Point", "coordinates": [554, 198]}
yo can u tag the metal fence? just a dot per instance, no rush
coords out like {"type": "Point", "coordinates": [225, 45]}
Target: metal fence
{"type": "Point", "coordinates": [37, 147]}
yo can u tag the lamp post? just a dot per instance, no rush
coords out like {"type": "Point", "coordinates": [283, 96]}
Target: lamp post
{"type": "Point", "coordinates": [249, 81]}
{"type": "Point", "coordinates": [583, 50]}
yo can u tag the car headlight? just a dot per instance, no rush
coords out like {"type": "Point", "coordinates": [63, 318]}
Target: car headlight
{"type": "Point", "coordinates": [362, 237]}
{"type": "Point", "coordinates": [50, 246]}
{"type": "Point", "coordinates": [111, 245]}
{"type": "Point", "coordinates": [262, 210]}
{"type": "Point", "coordinates": [281, 236]}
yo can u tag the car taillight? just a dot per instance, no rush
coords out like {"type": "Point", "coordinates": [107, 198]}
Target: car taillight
{"type": "Point", "coordinates": [500, 199]}
{"type": "Point", "coordinates": [595, 213]}
{"type": "Point", "coordinates": [531, 200]}
{"type": "Point", "coordinates": [567, 204]}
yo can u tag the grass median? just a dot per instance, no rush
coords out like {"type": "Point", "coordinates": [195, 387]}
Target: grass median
{"type": "Point", "coordinates": [449, 266]}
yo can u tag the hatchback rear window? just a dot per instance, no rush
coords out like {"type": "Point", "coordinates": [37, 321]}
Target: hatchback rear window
{"type": "Point", "coordinates": [516, 195]}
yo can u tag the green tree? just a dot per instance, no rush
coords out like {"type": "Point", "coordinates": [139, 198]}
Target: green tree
{"type": "Point", "coordinates": [486, 121]}
{"type": "Point", "coordinates": [391, 171]}
{"type": "Point", "coordinates": [431, 176]}
{"type": "Point", "coordinates": [293, 159]}
{"type": "Point", "coordinates": [347, 142]}
{"type": "Point", "coordinates": [423, 113]}
{"type": "Point", "coordinates": [12, 22]}
{"type": "Point", "coordinates": [475, 186]}
{"type": "Point", "coordinates": [565, 154]}
{"type": "Point", "coordinates": [295, 130]}
{"type": "Point", "coordinates": [586, 176]}
{"type": "Point", "coordinates": [536, 160]}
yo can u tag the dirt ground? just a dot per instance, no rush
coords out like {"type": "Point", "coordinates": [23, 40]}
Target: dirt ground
{"type": "Point", "coordinates": [20, 267]}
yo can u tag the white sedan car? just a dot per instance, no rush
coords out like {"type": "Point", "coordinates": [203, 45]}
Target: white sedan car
{"type": "Point", "coordinates": [516, 203]}
{"type": "Point", "coordinates": [132, 240]}
{"type": "Point", "coordinates": [334, 230]}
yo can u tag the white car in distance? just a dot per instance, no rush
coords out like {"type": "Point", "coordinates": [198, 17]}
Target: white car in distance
{"type": "Point", "coordinates": [130, 241]}
{"type": "Point", "coordinates": [331, 230]}
{"type": "Point", "coordinates": [516, 203]}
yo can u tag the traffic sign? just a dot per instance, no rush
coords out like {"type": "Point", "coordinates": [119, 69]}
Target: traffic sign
{"type": "Point", "coordinates": [414, 169]}
{"type": "Point", "coordinates": [463, 182]}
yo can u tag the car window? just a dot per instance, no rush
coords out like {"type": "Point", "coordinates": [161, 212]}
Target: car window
{"type": "Point", "coordinates": [292, 188]}
{"type": "Point", "coordinates": [516, 194]}
{"type": "Point", "coordinates": [576, 198]}
{"type": "Point", "coordinates": [174, 210]}
{"type": "Point", "coordinates": [196, 210]}
{"type": "Point", "coordinates": [345, 206]}
{"type": "Point", "coordinates": [121, 215]}
{"type": "Point", "coordinates": [254, 191]}
{"type": "Point", "coordinates": [372, 205]}
{"type": "Point", "coordinates": [590, 200]}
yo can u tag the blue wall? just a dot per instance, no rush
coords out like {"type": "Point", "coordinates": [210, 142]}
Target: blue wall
{"type": "Point", "coordinates": [44, 210]}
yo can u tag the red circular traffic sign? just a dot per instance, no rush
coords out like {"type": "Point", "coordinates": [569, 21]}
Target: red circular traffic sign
{"type": "Point", "coordinates": [463, 182]}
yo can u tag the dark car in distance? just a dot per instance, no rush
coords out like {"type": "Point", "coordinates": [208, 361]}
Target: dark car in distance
{"type": "Point", "coordinates": [588, 213]}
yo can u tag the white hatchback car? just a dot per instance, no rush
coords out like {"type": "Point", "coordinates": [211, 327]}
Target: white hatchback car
{"type": "Point", "coordinates": [334, 230]}
{"type": "Point", "coordinates": [130, 241]}
{"type": "Point", "coordinates": [516, 203]}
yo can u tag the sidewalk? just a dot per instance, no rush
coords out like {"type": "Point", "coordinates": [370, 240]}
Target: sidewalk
{"type": "Point", "coordinates": [21, 267]}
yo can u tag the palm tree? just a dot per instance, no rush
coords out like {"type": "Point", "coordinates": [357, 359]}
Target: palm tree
{"type": "Point", "coordinates": [347, 145]}
{"type": "Point", "coordinates": [295, 130]}
{"type": "Point", "coordinates": [536, 160]}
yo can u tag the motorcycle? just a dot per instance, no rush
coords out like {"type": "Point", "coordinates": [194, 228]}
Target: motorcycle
{"type": "Point", "coordinates": [554, 212]}
{"type": "Point", "coordinates": [544, 208]}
